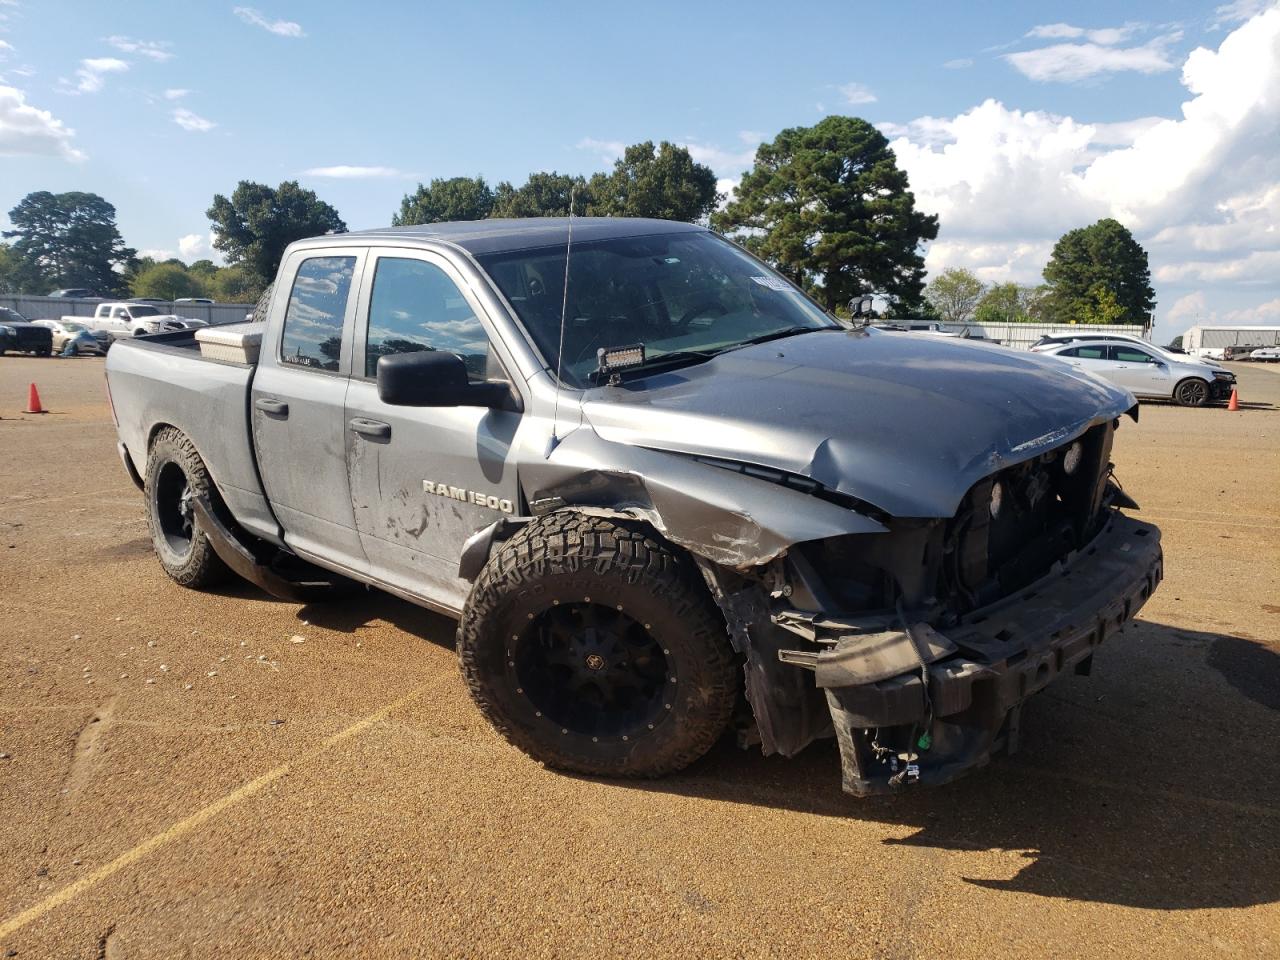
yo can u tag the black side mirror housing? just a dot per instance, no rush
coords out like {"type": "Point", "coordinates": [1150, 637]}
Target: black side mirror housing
{"type": "Point", "coordinates": [435, 378]}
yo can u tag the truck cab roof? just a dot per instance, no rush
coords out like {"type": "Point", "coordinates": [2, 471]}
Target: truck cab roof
{"type": "Point", "coordinates": [506, 235]}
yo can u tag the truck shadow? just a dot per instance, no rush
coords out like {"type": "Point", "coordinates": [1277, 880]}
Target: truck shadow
{"type": "Point", "coordinates": [1152, 784]}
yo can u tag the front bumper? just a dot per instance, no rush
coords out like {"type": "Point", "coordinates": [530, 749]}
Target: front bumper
{"type": "Point", "coordinates": [1221, 388]}
{"type": "Point", "coordinates": [979, 671]}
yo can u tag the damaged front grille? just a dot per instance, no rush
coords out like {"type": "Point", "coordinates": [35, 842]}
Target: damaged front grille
{"type": "Point", "coordinates": [1010, 529]}
{"type": "Point", "coordinates": [1013, 526]}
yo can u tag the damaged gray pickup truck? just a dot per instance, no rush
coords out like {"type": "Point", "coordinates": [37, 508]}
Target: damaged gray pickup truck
{"type": "Point", "coordinates": [664, 492]}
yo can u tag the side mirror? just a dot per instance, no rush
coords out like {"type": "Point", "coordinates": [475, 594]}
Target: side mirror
{"type": "Point", "coordinates": [435, 378]}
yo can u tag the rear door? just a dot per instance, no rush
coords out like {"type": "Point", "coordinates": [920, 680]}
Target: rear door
{"type": "Point", "coordinates": [1092, 358]}
{"type": "Point", "coordinates": [298, 401]}
{"type": "Point", "coordinates": [423, 479]}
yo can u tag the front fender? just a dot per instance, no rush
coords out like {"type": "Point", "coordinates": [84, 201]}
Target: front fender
{"type": "Point", "coordinates": [728, 518]}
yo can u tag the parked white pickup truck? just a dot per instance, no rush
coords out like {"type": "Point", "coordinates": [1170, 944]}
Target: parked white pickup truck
{"type": "Point", "coordinates": [125, 319]}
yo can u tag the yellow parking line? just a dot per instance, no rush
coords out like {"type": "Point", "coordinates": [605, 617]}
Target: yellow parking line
{"type": "Point", "coordinates": [183, 827]}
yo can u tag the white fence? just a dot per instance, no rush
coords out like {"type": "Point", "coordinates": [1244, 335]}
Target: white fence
{"type": "Point", "coordinates": [52, 308]}
{"type": "Point", "coordinates": [1021, 336]}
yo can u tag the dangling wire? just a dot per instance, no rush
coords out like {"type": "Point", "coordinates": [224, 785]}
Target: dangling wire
{"type": "Point", "coordinates": [564, 309]}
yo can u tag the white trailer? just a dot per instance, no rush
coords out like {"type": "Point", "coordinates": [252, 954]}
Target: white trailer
{"type": "Point", "coordinates": [1226, 343]}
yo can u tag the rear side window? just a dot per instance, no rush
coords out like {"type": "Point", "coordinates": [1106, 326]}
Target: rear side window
{"type": "Point", "coordinates": [313, 320]}
{"type": "Point", "coordinates": [1086, 353]}
{"type": "Point", "coordinates": [415, 306]}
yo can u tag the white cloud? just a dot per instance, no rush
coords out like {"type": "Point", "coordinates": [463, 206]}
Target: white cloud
{"type": "Point", "coordinates": [175, 93]}
{"type": "Point", "coordinates": [345, 172]}
{"type": "Point", "coordinates": [192, 246]}
{"type": "Point", "coordinates": [281, 28]}
{"type": "Point", "coordinates": [721, 160]}
{"type": "Point", "coordinates": [959, 63]}
{"type": "Point", "coordinates": [1070, 62]}
{"type": "Point", "coordinates": [156, 254]}
{"type": "Point", "coordinates": [607, 150]}
{"type": "Point", "coordinates": [1195, 308]}
{"type": "Point", "coordinates": [857, 93]}
{"type": "Point", "coordinates": [193, 122]}
{"type": "Point", "coordinates": [1201, 192]}
{"type": "Point", "coordinates": [157, 50]}
{"type": "Point", "coordinates": [26, 131]}
{"type": "Point", "coordinates": [1065, 31]}
{"type": "Point", "coordinates": [6, 48]}
{"type": "Point", "coordinates": [92, 74]}
{"type": "Point", "coordinates": [1237, 11]}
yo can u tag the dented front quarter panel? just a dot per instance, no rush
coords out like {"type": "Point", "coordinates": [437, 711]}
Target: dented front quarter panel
{"type": "Point", "coordinates": [732, 520]}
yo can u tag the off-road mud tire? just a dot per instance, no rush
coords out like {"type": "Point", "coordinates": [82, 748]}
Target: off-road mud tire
{"type": "Point", "coordinates": [566, 558]}
{"type": "Point", "coordinates": [198, 566]}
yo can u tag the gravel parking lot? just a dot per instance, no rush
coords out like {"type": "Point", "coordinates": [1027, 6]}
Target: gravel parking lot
{"type": "Point", "coordinates": [186, 774]}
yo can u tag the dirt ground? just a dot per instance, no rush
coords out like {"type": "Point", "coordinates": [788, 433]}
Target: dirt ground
{"type": "Point", "coordinates": [200, 775]}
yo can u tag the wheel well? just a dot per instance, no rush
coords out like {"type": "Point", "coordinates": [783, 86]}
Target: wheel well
{"type": "Point", "coordinates": [1178, 386]}
{"type": "Point", "coordinates": [156, 428]}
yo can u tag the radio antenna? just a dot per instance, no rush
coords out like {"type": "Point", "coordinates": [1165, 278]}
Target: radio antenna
{"type": "Point", "coordinates": [564, 310]}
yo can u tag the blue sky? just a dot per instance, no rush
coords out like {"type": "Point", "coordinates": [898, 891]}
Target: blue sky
{"type": "Point", "coordinates": [1014, 121]}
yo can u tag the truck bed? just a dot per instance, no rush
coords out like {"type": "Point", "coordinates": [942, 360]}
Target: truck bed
{"type": "Point", "coordinates": [163, 380]}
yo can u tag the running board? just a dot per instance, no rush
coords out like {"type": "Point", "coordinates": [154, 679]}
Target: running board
{"type": "Point", "coordinates": [237, 555]}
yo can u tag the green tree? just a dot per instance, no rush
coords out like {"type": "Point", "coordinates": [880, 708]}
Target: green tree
{"type": "Point", "coordinates": [167, 281]}
{"type": "Point", "coordinates": [65, 240]}
{"type": "Point", "coordinates": [1103, 256]}
{"type": "Point", "coordinates": [8, 270]}
{"type": "Point", "coordinates": [237, 284]}
{"type": "Point", "coordinates": [542, 195]}
{"type": "Point", "coordinates": [258, 222]}
{"type": "Point", "coordinates": [828, 206]}
{"type": "Point", "coordinates": [662, 182]}
{"type": "Point", "coordinates": [1102, 306]}
{"type": "Point", "coordinates": [953, 294]}
{"type": "Point", "coordinates": [1003, 303]}
{"type": "Point", "coordinates": [458, 198]}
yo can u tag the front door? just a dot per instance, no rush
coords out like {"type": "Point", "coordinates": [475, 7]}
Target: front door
{"type": "Point", "coordinates": [424, 479]}
{"type": "Point", "coordinates": [298, 404]}
{"type": "Point", "coordinates": [1139, 371]}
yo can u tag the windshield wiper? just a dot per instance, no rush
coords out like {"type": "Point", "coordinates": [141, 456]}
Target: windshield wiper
{"type": "Point", "coordinates": [779, 334]}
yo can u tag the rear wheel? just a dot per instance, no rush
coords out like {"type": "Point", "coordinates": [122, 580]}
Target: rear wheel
{"type": "Point", "coordinates": [595, 648]}
{"type": "Point", "coordinates": [175, 477]}
{"type": "Point", "coordinates": [1192, 392]}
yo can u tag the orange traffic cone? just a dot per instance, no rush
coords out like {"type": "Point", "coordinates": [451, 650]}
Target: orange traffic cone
{"type": "Point", "coordinates": [1234, 402]}
{"type": "Point", "coordinates": [33, 401]}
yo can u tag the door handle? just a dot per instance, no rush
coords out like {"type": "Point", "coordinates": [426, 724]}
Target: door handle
{"type": "Point", "coordinates": [371, 428]}
{"type": "Point", "coordinates": [269, 405]}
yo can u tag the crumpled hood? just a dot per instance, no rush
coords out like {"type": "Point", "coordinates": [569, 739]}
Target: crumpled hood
{"type": "Point", "coordinates": [905, 422]}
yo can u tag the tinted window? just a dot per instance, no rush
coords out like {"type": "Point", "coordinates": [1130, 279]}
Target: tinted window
{"type": "Point", "coordinates": [1086, 353]}
{"type": "Point", "coordinates": [313, 321]}
{"type": "Point", "coordinates": [1131, 355]}
{"type": "Point", "coordinates": [415, 306]}
{"type": "Point", "coordinates": [144, 312]}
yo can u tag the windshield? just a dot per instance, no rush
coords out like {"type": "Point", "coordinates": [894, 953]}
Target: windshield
{"type": "Point", "coordinates": [12, 316]}
{"type": "Point", "coordinates": [73, 327]}
{"type": "Point", "coordinates": [678, 294]}
{"type": "Point", "coordinates": [137, 311]}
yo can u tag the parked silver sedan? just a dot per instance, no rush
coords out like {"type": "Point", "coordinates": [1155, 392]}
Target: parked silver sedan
{"type": "Point", "coordinates": [86, 340]}
{"type": "Point", "coordinates": [1147, 372]}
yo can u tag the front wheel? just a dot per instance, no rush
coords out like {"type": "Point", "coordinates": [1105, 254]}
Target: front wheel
{"type": "Point", "coordinates": [595, 648]}
{"type": "Point", "coordinates": [1192, 392]}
